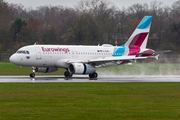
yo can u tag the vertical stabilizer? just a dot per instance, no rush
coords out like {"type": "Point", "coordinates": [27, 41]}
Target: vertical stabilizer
{"type": "Point", "coordinates": [138, 39]}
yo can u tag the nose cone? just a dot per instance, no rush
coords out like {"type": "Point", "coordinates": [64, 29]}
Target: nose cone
{"type": "Point", "coordinates": [13, 59]}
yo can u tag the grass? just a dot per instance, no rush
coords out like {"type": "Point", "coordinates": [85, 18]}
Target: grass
{"type": "Point", "coordinates": [7, 68]}
{"type": "Point", "coordinates": [133, 101]}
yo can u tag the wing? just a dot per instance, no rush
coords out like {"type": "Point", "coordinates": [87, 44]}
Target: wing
{"type": "Point", "coordinates": [113, 61]}
{"type": "Point", "coordinates": [108, 61]}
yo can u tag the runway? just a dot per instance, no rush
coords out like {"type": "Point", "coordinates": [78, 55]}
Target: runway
{"type": "Point", "coordinates": [81, 78]}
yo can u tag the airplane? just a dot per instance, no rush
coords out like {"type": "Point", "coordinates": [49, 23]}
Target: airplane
{"type": "Point", "coordinates": [78, 59]}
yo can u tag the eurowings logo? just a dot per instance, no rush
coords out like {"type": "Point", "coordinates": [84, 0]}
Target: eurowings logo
{"type": "Point", "coordinates": [27, 57]}
{"type": "Point", "coordinates": [55, 49]}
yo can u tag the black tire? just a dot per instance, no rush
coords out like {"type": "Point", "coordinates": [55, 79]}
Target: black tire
{"type": "Point", "coordinates": [32, 75]}
{"type": "Point", "coordinates": [67, 74]}
{"type": "Point", "coordinates": [93, 75]}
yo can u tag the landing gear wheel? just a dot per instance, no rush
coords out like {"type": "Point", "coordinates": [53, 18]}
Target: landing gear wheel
{"type": "Point", "coordinates": [67, 74]}
{"type": "Point", "coordinates": [93, 75]}
{"type": "Point", "coordinates": [32, 75]}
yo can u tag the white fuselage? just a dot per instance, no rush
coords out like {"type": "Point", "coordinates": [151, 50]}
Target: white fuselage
{"type": "Point", "coordinates": [58, 55]}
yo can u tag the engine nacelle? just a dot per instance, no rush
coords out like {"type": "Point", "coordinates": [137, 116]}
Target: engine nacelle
{"type": "Point", "coordinates": [46, 69]}
{"type": "Point", "coordinates": [80, 68]}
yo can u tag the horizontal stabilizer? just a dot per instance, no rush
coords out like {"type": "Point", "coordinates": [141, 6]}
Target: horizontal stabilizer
{"type": "Point", "coordinates": [158, 52]}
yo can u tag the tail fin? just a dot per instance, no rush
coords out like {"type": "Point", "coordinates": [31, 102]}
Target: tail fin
{"type": "Point", "coordinates": [138, 39]}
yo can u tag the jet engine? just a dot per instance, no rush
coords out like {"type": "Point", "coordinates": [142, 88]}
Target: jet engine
{"type": "Point", "coordinates": [80, 68]}
{"type": "Point", "coordinates": [45, 69]}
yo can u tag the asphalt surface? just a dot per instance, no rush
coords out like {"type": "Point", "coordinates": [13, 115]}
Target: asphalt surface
{"type": "Point", "coordinates": [81, 78]}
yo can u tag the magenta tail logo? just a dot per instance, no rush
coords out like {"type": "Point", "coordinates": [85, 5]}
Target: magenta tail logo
{"type": "Point", "coordinates": [134, 46]}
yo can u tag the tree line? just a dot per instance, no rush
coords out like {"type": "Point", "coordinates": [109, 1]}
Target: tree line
{"type": "Point", "coordinates": [90, 22]}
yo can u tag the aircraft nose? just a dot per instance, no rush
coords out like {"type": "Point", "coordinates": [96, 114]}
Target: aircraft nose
{"type": "Point", "coordinates": [13, 59]}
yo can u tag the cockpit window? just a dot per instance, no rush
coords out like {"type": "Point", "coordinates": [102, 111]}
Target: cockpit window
{"type": "Point", "coordinates": [19, 52]}
{"type": "Point", "coordinates": [22, 52]}
{"type": "Point", "coordinates": [27, 52]}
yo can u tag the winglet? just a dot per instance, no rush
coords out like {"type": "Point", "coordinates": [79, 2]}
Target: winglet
{"type": "Point", "coordinates": [157, 57]}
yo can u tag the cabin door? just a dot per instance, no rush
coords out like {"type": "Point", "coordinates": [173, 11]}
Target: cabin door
{"type": "Point", "coordinates": [38, 53]}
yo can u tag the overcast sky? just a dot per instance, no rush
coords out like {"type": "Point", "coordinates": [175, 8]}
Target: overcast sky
{"type": "Point", "coordinates": [71, 3]}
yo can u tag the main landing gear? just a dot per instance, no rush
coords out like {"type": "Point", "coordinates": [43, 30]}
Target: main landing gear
{"type": "Point", "coordinates": [68, 74]}
{"type": "Point", "coordinates": [93, 75]}
{"type": "Point", "coordinates": [32, 75]}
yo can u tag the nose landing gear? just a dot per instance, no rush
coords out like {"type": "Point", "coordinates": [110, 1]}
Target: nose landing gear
{"type": "Point", "coordinates": [32, 75]}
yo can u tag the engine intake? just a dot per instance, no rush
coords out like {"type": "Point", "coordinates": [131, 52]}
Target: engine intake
{"type": "Point", "coordinates": [80, 68]}
{"type": "Point", "coordinates": [46, 69]}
